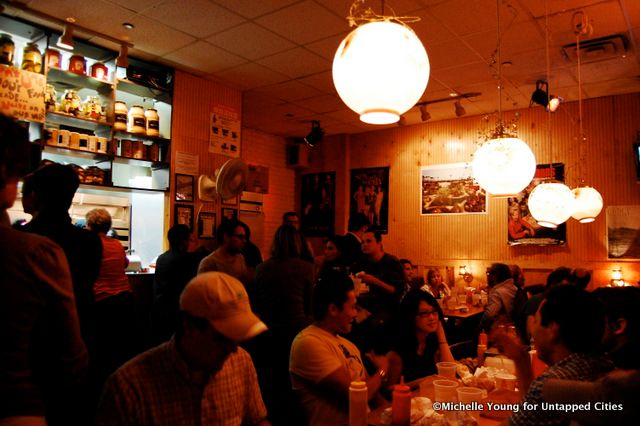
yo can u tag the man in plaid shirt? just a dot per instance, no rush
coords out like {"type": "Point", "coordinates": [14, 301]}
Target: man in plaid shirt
{"type": "Point", "coordinates": [200, 376]}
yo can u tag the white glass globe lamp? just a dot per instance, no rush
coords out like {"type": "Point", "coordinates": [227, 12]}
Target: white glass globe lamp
{"type": "Point", "coordinates": [380, 71]}
{"type": "Point", "coordinates": [504, 166]}
{"type": "Point", "coordinates": [551, 204]}
{"type": "Point", "coordinates": [588, 204]}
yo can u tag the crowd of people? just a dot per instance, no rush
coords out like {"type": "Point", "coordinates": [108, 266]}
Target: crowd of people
{"type": "Point", "coordinates": [241, 341]}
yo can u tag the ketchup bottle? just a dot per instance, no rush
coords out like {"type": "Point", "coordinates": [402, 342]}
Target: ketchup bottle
{"type": "Point", "coordinates": [358, 404]}
{"type": "Point", "coordinates": [401, 405]}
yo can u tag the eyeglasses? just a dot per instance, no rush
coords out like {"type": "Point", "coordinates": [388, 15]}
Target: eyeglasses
{"type": "Point", "coordinates": [423, 314]}
{"type": "Point", "coordinates": [240, 236]}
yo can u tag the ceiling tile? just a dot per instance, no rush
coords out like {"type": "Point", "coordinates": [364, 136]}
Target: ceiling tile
{"type": "Point", "coordinates": [443, 56]}
{"type": "Point", "coordinates": [296, 63]}
{"type": "Point", "coordinates": [327, 48]}
{"type": "Point", "coordinates": [250, 41]}
{"type": "Point", "coordinates": [468, 74]}
{"type": "Point", "coordinates": [135, 5]}
{"type": "Point", "coordinates": [251, 75]}
{"type": "Point", "coordinates": [200, 18]}
{"type": "Point", "coordinates": [156, 38]}
{"type": "Point", "coordinates": [293, 22]}
{"type": "Point", "coordinates": [206, 57]}
{"type": "Point", "coordinates": [430, 30]}
{"type": "Point", "coordinates": [322, 104]}
{"type": "Point", "coordinates": [290, 90]}
{"type": "Point", "coordinates": [322, 81]}
{"type": "Point", "coordinates": [399, 7]}
{"type": "Point", "coordinates": [253, 8]}
{"type": "Point", "coordinates": [464, 17]}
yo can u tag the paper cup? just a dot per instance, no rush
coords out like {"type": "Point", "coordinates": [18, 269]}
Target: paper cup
{"type": "Point", "coordinates": [445, 390]}
{"type": "Point", "coordinates": [469, 395]}
{"type": "Point", "coordinates": [447, 369]}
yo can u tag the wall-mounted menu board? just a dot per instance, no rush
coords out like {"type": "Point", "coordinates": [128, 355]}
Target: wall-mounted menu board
{"type": "Point", "coordinates": [22, 94]}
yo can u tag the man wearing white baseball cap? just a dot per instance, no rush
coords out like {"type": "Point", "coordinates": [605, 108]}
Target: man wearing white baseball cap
{"type": "Point", "coordinates": [200, 376]}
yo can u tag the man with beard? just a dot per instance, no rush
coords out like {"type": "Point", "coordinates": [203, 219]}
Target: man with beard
{"type": "Point", "coordinates": [228, 257]}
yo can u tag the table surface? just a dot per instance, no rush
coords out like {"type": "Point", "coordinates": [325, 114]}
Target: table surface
{"type": "Point", "coordinates": [472, 310]}
{"type": "Point", "coordinates": [424, 387]}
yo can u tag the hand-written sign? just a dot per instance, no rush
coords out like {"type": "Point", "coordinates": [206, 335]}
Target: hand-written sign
{"type": "Point", "coordinates": [22, 94]}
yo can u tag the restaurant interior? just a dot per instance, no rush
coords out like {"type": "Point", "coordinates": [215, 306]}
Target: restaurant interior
{"type": "Point", "coordinates": [267, 69]}
{"type": "Point", "coordinates": [271, 63]}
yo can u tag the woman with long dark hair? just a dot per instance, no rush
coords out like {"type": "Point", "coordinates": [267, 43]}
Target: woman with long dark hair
{"type": "Point", "coordinates": [420, 338]}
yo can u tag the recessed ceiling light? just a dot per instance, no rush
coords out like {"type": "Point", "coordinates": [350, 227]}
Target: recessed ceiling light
{"type": "Point", "coordinates": [128, 25]}
{"type": "Point", "coordinates": [453, 94]}
{"type": "Point", "coordinates": [507, 63]}
{"type": "Point", "coordinates": [71, 19]}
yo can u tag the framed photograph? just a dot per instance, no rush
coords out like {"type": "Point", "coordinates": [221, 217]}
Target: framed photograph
{"type": "Point", "coordinates": [184, 188]}
{"type": "Point", "coordinates": [207, 225]}
{"type": "Point", "coordinates": [448, 189]}
{"type": "Point", "coordinates": [522, 228]}
{"type": "Point", "coordinates": [318, 204]}
{"type": "Point", "coordinates": [229, 214]}
{"type": "Point", "coordinates": [232, 202]}
{"type": "Point", "coordinates": [370, 196]}
{"type": "Point", "coordinates": [623, 232]}
{"type": "Point", "coordinates": [183, 215]}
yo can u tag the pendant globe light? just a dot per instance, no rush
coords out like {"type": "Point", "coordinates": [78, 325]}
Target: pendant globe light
{"type": "Point", "coordinates": [550, 203]}
{"type": "Point", "coordinates": [503, 165]}
{"type": "Point", "coordinates": [589, 202]}
{"type": "Point", "coordinates": [381, 68]}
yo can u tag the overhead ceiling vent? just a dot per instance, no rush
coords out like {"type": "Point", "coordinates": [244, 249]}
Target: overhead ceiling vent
{"type": "Point", "coordinates": [597, 49]}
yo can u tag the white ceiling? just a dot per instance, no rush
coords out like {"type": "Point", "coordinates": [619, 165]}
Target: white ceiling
{"type": "Point", "coordinates": [279, 52]}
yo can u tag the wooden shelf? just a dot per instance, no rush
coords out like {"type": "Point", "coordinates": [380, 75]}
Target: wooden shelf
{"type": "Point", "coordinates": [136, 89]}
{"type": "Point", "coordinates": [71, 120]}
{"type": "Point", "coordinates": [139, 137]}
{"type": "Point", "coordinates": [70, 80]}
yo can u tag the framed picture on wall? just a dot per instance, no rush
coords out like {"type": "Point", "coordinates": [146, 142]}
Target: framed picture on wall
{"type": "Point", "coordinates": [229, 214]}
{"type": "Point", "coordinates": [207, 225]}
{"type": "Point", "coordinates": [623, 232]}
{"type": "Point", "coordinates": [318, 204]}
{"type": "Point", "coordinates": [184, 188]}
{"type": "Point", "coordinates": [370, 196]}
{"type": "Point", "coordinates": [450, 189]}
{"type": "Point", "coordinates": [183, 215]}
{"type": "Point", "coordinates": [522, 228]}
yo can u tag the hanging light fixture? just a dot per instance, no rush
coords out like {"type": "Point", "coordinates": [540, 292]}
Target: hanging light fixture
{"type": "Point", "coordinates": [541, 96]}
{"type": "Point", "coordinates": [381, 68]}
{"type": "Point", "coordinates": [123, 58]}
{"type": "Point", "coordinates": [550, 203]}
{"type": "Point", "coordinates": [589, 202]}
{"type": "Point", "coordinates": [503, 165]}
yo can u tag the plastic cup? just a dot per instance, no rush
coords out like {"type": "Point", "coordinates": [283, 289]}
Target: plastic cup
{"type": "Point", "coordinates": [447, 369]}
{"type": "Point", "coordinates": [445, 390]}
{"type": "Point", "coordinates": [451, 304]}
{"type": "Point", "coordinates": [506, 381]}
{"type": "Point", "coordinates": [462, 299]}
{"type": "Point", "coordinates": [469, 395]}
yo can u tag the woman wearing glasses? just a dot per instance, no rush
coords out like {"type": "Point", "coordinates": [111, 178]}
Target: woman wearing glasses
{"type": "Point", "coordinates": [421, 341]}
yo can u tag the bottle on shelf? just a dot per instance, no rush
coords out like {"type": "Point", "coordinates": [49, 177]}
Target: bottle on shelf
{"type": "Point", "coordinates": [358, 406]}
{"type": "Point", "coordinates": [31, 58]}
{"type": "Point", "coordinates": [137, 121]}
{"type": "Point", "coordinates": [7, 49]}
{"type": "Point", "coordinates": [153, 122]}
{"type": "Point", "coordinates": [401, 405]}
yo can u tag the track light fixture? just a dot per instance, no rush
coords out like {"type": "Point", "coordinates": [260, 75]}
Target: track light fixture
{"type": "Point", "coordinates": [123, 59]}
{"type": "Point", "coordinates": [460, 111]}
{"type": "Point", "coordinates": [65, 41]}
{"type": "Point", "coordinates": [541, 96]}
{"type": "Point", "coordinates": [316, 135]}
{"type": "Point", "coordinates": [424, 114]}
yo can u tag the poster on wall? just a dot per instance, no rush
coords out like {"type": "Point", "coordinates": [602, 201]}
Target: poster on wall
{"type": "Point", "coordinates": [370, 195]}
{"type": "Point", "coordinates": [318, 204]}
{"type": "Point", "coordinates": [450, 189]}
{"type": "Point", "coordinates": [522, 228]}
{"type": "Point", "coordinates": [623, 232]}
{"type": "Point", "coordinates": [224, 131]}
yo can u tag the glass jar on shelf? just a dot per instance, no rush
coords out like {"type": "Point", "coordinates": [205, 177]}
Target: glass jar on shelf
{"type": "Point", "coordinates": [7, 49]}
{"type": "Point", "coordinates": [50, 97]}
{"type": "Point", "coordinates": [137, 121]}
{"type": "Point", "coordinates": [153, 122]}
{"type": "Point", "coordinates": [120, 116]}
{"type": "Point", "coordinates": [31, 58]}
{"type": "Point", "coordinates": [92, 108]}
{"type": "Point", "coordinates": [70, 102]}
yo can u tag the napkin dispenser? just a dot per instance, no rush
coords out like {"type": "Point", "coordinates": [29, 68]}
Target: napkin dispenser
{"type": "Point", "coordinates": [135, 263]}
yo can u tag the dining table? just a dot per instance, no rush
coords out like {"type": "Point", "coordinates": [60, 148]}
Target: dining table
{"type": "Point", "coordinates": [424, 388]}
{"type": "Point", "coordinates": [463, 311]}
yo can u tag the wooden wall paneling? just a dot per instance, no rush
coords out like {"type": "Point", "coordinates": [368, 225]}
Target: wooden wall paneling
{"type": "Point", "coordinates": [610, 125]}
